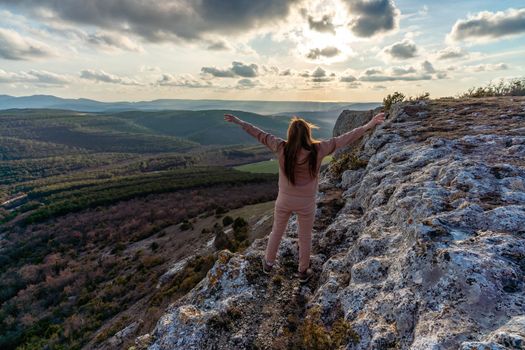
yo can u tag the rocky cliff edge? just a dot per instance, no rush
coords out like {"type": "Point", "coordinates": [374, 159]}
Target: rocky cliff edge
{"type": "Point", "coordinates": [419, 243]}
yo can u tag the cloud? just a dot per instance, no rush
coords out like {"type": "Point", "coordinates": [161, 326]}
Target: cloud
{"type": "Point", "coordinates": [402, 50]}
{"type": "Point", "coordinates": [486, 67]}
{"type": "Point", "coordinates": [237, 69]}
{"type": "Point", "coordinates": [353, 85]}
{"type": "Point", "coordinates": [489, 25]}
{"type": "Point", "coordinates": [379, 78]}
{"type": "Point", "coordinates": [112, 41]}
{"type": "Point", "coordinates": [324, 25]}
{"type": "Point", "coordinates": [218, 73]}
{"type": "Point", "coordinates": [186, 81]}
{"type": "Point", "coordinates": [218, 46]}
{"type": "Point", "coordinates": [373, 71]}
{"type": "Point", "coordinates": [372, 17]}
{"type": "Point", "coordinates": [13, 46]}
{"type": "Point", "coordinates": [103, 77]}
{"type": "Point", "coordinates": [428, 67]}
{"type": "Point", "coordinates": [286, 72]}
{"type": "Point", "coordinates": [396, 74]}
{"type": "Point", "coordinates": [330, 51]}
{"type": "Point", "coordinates": [244, 84]}
{"type": "Point", "coordinates": [270, 70]}
{"type": "Point", "coordinates": [243, 70]}
{"type": "Point", "coordinates": [39, 77]}
{"type": "Point", "coordinates": [319, 73]}
{"type": "Point", "coordinates": [451, 53]}
{"type": "Point", "coordinates": [322, 80]}
{"type": "Point", "coordinates": [45, 77]}
{"type": "Point", "coordinates": [162, 21]}
{"type": "Point", "coordinates": [403, 70]}
{"type": "Point", "coordinates": [348, 79]}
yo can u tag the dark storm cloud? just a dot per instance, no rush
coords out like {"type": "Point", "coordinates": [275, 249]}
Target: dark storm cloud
{"type": "Point", "coordinates": [402, 50]}
{"type": "Point", "coordinates": [490, 25]}
{"type": "Point", "coordinates": [164, 20]}
{"type": "Point", "coordinates": [330, 51]}
{"type": "Point", "coordinates": [237, 69]}
{"type": "Point", "coordinates": [324, 25]}
{"type": "Point", "coordinates": [372, 17]}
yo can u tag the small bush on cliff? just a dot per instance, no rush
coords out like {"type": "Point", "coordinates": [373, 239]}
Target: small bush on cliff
{"type": "Point", "coordinates": [347, 161]}
{"type": "Point", "coordinates": [185, 225]}
{"type": "Point", "coordinates": [421, 97]}
{"type": "Point", "coordinates": [240, 229]}
{"type": "Point", "coordinates": [398, 97]}
{"type": "Point", "coordinates": [239, 223]}
{"type": "Point", "coordinates": [316, 336]}
{"type": "Point", "coordinates": [512, 87]}
{"type": "Point", "coordinates": [391, 99]}
{"type": "Point", "coordinates": [227, 220]}
{"type": "Point", "coordinates": [222, 241]}
{"type": "Point", "coordinates": [220, 210]}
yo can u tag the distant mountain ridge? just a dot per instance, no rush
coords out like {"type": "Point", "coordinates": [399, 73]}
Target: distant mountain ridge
{"type": "Point", "coordinates": [260, 107]}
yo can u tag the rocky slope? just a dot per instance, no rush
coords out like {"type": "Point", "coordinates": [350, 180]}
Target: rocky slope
{"type": "Point", "coordinates": [419, 243]}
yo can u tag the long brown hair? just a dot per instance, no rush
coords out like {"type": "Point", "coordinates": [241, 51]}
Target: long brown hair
{"type": "Point", "coordinates": [299, 135]}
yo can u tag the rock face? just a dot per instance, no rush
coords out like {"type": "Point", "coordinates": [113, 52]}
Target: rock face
{"type": "Point", "coordinates": [349, 120]}
{"type": "Point", "coordinates": [422, 248]}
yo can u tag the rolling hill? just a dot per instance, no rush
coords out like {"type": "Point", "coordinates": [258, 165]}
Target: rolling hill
{"type": "Point", "coordinates": [87, 105]}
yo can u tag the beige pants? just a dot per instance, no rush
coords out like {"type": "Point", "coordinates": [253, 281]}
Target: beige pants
{"type": "Point", "coordinates": [305, 208]}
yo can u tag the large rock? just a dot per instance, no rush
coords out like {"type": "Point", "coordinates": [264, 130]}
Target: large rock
{"type": "Point", "coordinates": [349, 120]}
{"type": "Point", "coordinates": [424, 248]}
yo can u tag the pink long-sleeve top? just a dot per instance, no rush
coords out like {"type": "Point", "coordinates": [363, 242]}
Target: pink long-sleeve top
{"type": "Point", "coordinates": [305, 185]}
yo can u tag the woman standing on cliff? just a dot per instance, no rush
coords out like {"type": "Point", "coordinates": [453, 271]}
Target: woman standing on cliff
{"type": "Point", "coordinates": [300, 160]}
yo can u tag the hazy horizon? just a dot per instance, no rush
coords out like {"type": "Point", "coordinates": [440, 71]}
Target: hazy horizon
{"type": "Point", "coordinates": [190, 99]}
{"type": "Point", "coordinates": [279, 50]}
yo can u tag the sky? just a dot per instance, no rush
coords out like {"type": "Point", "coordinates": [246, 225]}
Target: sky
{"type": "Point", "coordinates": [286, 50]}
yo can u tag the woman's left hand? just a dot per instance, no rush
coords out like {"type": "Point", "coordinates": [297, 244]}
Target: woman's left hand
{"type": "Point", "coordinates": [231, 118]}
{"type": "Point", "coordinates": [377, 119]}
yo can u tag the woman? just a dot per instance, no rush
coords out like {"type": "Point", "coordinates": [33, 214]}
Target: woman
{"type": "Point", "coordinates": [299, 164]}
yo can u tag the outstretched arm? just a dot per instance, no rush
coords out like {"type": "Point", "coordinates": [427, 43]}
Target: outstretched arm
{"type": "Point", "coordinates": [329, 146]}
{"type": "Point", "coordinates": [271, 141]}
